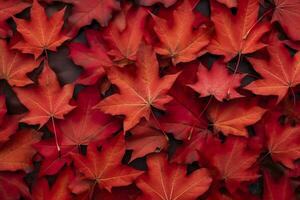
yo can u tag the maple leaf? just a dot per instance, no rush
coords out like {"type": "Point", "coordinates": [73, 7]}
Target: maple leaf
{"type": "Point", "coordinates": [59, 189]}
{"type": "Point", "coordinates": [139, 91]}
{"type": "Point", "coordinates": [12, 186]}
{"type": "Point", "coordinates": [41, 33]}
{"type": "Point", "coordinates": [234, 162]}
{"type": "Point", "coordinates": [209, 82]}
{"type": "Point", "coordinates": [226, 117]}
{"type": "Point", "coordinates": [85, 124]}
{"type": "Point", "coordinates": [280, 73]}
{"type": "Point", "coordinates": [92, 58]}
{"type": "Point", "coordinates": [180, 41]}
{"type": "Point", "coordinates": [8, 9]}
{"type": "Point", "coordinates": [83, 12]}
{"type": "Point", "coordinates": [14, 66]}
{"type": "Point", "coordinates": [169, 181]}
{"type": "Point", "coordinates": [45, 100]}
{"type": "Point", "coordinates": [236, 34]}
{"type": "Point", "coordinates": [105, 167]}
{"type": "Point", "coordinates": [145, 139]}
{"type": "Point", "coordinates": [166, 3]}
{"type": "Point", "coordinates": [287, 14]}
{"type": "Point", "coordinates": [277, 189]}
{"type": "Point", "coordinates": [282, 142]}
{"type": "Point", "coordinates": [17, 153]}
{"type": "Point", "coordinates": [125, 34]}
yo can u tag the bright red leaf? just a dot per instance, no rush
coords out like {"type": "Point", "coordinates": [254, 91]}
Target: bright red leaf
{"type": "Point", "coordinates": [40, 33]}
{"type": "Point", "coordinates": [279, 74]}
{"type": "Point", "coordinates": [232, 117]}
{"type": "Point", "coordinates": [178, 40]}
{"type": "Point", "coordinates": [47, 100]}
{"type": "Point", "coordinates": [105, 167]}
{"type": "Point", "coordinates": [139, 91]}
{"type": "Point", "coordinates": [14, 66]}
{"type": "Point", "coordinates": [236, 34]}
{"type": "Point", "coordinates": [209, 83]}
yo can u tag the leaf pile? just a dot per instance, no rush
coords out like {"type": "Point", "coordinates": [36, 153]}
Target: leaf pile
{"type": "Point", "coordinates": [150, 99]}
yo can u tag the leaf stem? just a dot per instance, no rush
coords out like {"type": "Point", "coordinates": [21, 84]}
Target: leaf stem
{"type": "Point", "coordinates": [234, 72]}
{"type": "Point", "coordinates": [55, 136]}
{"type": "Point", "coordinates": [251, 28]}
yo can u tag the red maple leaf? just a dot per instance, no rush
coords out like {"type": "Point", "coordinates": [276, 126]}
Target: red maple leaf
{"type": "Point", "coordinates": [105, 167]}
{"type": "Point", "coordinates": [41, 33]}
{"type": "Point", "coordinates": [169, 181]}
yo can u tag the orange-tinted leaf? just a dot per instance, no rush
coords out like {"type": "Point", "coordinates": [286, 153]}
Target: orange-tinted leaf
{"type": "Point", "coordinates": [283, 142]}
{"type": "Point", "coordinates": [8, 9]}
{"type": "Point", "coordinates": [179, 41]}
{"type": "Point", "coordinates": [105, 167]}
{"type": "Point", "coordinates": [287, 14]}
{"type": "Point", "coordinates": [41, 33]}
{"type": "Point", "coordinates": [14, 66]}
{"type": "Point", "coordinates": [217, 82]}
{"type": "Point", "coordinates": [17, 153]}
{"type": "Point", "coordinates": [125, 34]}
{"type": "Point", "coordinates": [280, 73]}
{"type": "Point", "coordinates": [236, 34]}
{"type": "Point", "coordinates": [139, 91]}
{"type": "Point", "coordinates": [45, 100]}
{"type": "Point", "coordinates": [167, 181]}
{"type": "Point", "coordinates": [145, 139]}
{"type": "Point", "coordinates": [232, 117]}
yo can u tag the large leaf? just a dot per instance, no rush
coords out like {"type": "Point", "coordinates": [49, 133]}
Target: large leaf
{"type": "Point", "coordinates": [169, 181]}
{"type": "Point", "coordinates": [41, 33]}
{"type": "Point", "coordinates": [105, 167]}
{"type": "Point", "coordinates": [139, 91]}
{"type": "Point", "coordinates": [236, 34]}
